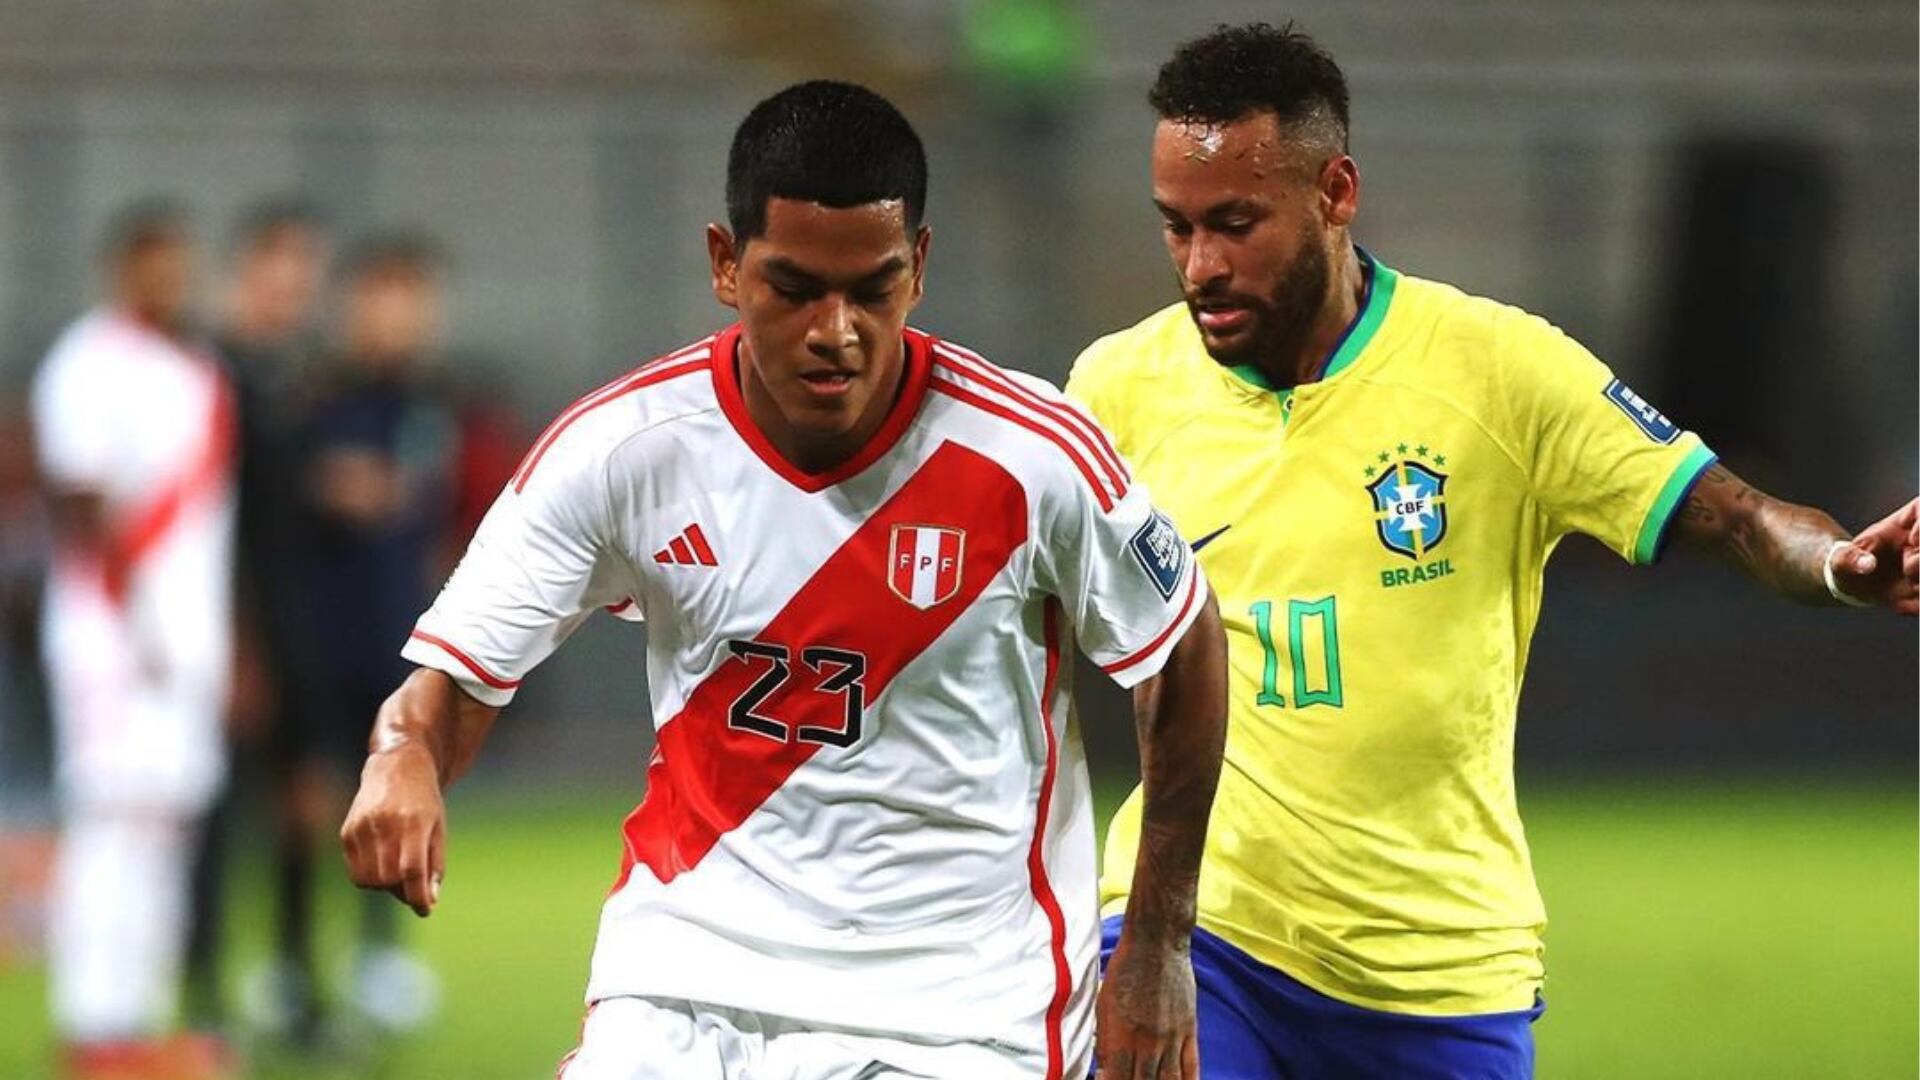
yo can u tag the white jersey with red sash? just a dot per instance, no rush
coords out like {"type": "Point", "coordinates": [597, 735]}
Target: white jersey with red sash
{"type": "Point", "coordinates": [138, 645]}
{"type": "Point", "coordinates": [868, 809]}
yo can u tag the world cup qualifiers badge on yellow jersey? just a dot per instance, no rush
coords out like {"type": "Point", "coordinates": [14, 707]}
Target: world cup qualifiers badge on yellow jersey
{"type": "Point", "coordinates": [1410, 511]}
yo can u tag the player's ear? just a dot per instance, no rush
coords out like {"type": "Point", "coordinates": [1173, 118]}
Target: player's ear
{"type": "Point", "coordinates": [922, 240]}
{"type": "Point", "coordinates": [724, 257]}
{"type": "Point", "coordinates": [1340, 190]}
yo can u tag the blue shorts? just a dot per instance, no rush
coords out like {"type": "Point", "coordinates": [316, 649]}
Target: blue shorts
{"type": "Point", "coordinates": [1258, 1024]}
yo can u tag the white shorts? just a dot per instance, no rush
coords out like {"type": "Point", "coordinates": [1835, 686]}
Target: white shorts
{"type": "Point", "coordinates": [634, 1038]}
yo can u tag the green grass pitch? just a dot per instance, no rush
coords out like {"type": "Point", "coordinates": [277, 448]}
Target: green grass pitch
{"type": "Point", "coordinates": [1700, 929]}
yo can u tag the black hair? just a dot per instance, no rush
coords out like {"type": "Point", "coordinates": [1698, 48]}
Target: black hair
{"type": "Point", "coordinates": [1237, 70]}
{"type": "Point", "coordinates": [395, 252]}
{"type": "Point", "coordinates": [261, 220]}
{"type": "Point", "coordinates": [143, 224]}
{"type": "Point", "coordinates": [826, 142]}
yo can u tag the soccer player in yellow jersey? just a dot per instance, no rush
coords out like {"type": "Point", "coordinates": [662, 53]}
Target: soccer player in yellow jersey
{"type": "Point", "coordinates": [1374, 469]}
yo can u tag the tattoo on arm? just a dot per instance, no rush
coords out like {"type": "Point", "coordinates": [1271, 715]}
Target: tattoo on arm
{"type": "Point", "coordinates": [1779, 543]}
{"type": "Point", "coordinates": [1181, 716]}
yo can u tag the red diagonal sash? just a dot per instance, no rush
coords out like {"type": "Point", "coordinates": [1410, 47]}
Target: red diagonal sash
{"type": "Point", "coordinates": [707, 777]}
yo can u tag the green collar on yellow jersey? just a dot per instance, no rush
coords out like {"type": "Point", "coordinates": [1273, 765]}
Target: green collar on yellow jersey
{"type": "Point", "coordinates": [1374, 301]}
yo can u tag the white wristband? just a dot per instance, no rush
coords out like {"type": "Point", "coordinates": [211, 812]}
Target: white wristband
{"type": "Point", "coordinates": [1833, 587]}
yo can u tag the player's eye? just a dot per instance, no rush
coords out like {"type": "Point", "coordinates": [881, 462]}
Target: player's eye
{"type": "Point", "coordinates": [1235, 226]}
{"type": "Point", "coordinates": [792, 294]}
{"type": "Point", "coordinates": [1176, 228]}
{"type": "Point", "coordinates": [871, 297]}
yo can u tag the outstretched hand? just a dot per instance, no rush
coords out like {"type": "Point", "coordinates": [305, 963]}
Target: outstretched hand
{"type": "Point", "coordinates": [1881, 565]}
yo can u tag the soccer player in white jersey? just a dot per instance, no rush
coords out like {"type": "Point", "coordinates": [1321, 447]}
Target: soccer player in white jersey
{"type": "Point", "coordinates": [134, 430]}
{"type": "Point", "coordinates": [866, 846]}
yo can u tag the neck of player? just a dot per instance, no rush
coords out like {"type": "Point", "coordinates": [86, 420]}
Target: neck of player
{"type": "Point", "coordinates": [810, 451]}
{"type": "Point", "coordinates": [1346, 289]}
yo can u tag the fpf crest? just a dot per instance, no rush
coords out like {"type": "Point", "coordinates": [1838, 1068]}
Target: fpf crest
{"type": "Point", "coordinates": [924, 563]}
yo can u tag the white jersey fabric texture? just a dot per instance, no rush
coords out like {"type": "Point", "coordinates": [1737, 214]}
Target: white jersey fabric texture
{"type": "Point", "coordinates": [868, 809]}
{"type": "Point", "coordinates": [631, 1038]}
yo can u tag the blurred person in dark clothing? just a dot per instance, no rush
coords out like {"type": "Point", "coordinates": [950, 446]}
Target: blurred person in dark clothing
{"type": "Point", "coordinates": [381, 448]}
{"type": "Point", "coordinates": [133, 425]}
{"type": "Point", "coordinates": [277, 263]}
{"type": "Point", "coordinates": [26, 812]}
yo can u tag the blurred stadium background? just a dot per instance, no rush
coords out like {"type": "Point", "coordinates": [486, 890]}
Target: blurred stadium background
{"type": "Point", "coordinates": [1718, 197]}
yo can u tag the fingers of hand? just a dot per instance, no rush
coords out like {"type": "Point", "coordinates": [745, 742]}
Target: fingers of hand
{"type": "Point", "coordinates": [1859, 560]}
{"type": "Point", "coordinates": [396, 851]}
{"type": "Point", "coordinates": [1138, 1055]}
{"type": "Point", "coordinates": [416, 872]}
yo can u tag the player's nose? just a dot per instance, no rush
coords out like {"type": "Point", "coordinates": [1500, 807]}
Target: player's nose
{"type": "Point", "coordinates": [831, 331]}
{"type": "Point", "coordinates": [1205, 262]}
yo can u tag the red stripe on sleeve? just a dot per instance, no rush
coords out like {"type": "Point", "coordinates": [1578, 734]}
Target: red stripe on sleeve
{"type": "Point", "coordinates": [646, 376]}
{"type": "Point", "coordinates": [1122, 664]}
{"type": "Point", "coordinates": [1083, 429]}
{"type": "Point", "coordinates": [466, 661]}
{"type": "Point", "coordinates": [1008, 412]}
{"type": "Point", "coordinates": [707, 776]}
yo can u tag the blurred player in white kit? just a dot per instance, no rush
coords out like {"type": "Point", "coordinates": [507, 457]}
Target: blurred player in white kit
{"type": "Point", "coordinates": [134, 428]}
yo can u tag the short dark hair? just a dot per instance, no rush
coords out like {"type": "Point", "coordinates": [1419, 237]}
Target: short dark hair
{"type": "Point", "coordinates": [143, 224]}
{"type": "Point", "coordinates": [259, 221]}
{"type": "Point", "coordinates": [1237, 70]}
{"type": "Point", "coordinates": [826, 142]}
{"type": "Point", "coordinates": [393, 253]}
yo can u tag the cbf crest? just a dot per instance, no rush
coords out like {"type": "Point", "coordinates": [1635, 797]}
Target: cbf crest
{"type": "Point", "coordinates": [1409, 500]}
{"type": "Point", "coordinates": [924, 563]}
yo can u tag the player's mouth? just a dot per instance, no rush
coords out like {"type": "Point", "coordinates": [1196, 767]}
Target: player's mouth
{"type": "Point", "coordinates": [828, 383]}
{"type": "Point", "coordinates": [1221, 320]}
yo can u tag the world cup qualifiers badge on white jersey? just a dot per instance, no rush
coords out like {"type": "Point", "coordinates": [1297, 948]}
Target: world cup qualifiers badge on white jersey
{"type": "Point", "coordinates": [1157, 548]}
{"type": "Point", "coordinates": [924, 563]}
{"type": "Point", "coordinates": [1410, 516]}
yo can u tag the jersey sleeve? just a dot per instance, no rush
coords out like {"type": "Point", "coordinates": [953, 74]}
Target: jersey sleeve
{"type": "Point", "coordinates": [1601, 460]}
{"type": "Point", "coordinates": [542, 561]}
{"type": "Point", "coordinates": [1127, 581]}
{"type": "Point", "coordinates": [75, 430]}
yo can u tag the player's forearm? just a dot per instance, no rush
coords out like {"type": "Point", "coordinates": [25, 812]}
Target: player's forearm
{"type": "Point", "coordinates": [1182, 719]}
{"type": "Point", "coordinates": [430, 715]}
{"type": "Point", "coordinates": [1780, 544]}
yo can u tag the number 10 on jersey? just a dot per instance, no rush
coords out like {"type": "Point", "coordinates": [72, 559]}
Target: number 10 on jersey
{"type": "Point", "coordinates": [1313, 646]}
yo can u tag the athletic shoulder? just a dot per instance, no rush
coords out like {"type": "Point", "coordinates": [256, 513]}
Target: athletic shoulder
{"type": "Point", "coordinates": [1154, 348]}
{"type": "Point", "coordinates": [586, 432]}
{"type": "Point", "coordinates": [1070, 447]}
{"type": "Point", "coordinates": [1465, 330]}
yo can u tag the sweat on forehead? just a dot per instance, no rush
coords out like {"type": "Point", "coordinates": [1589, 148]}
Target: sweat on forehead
{"type": "Point", "coordinates": [1260, 139]}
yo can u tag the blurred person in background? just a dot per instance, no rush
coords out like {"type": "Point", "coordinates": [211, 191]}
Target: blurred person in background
{"type": "Point", "coordinates": [376, 479]}
{"type": "Point", "coordinates": [276, 265]}
{"type": "Point", "coordinates": [134, 427]}
{"type": "Point", "coordinates": [26, 811]}
{"type": "Point", "coordinates": [1375, 469]}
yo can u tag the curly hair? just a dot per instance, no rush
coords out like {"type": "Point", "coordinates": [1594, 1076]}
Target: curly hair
{"type": "Point", "coordinates": [1237, 70]}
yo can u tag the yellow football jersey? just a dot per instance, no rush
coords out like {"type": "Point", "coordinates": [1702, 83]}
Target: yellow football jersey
{"type": "Point", "coordinates": [1376, 541]}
